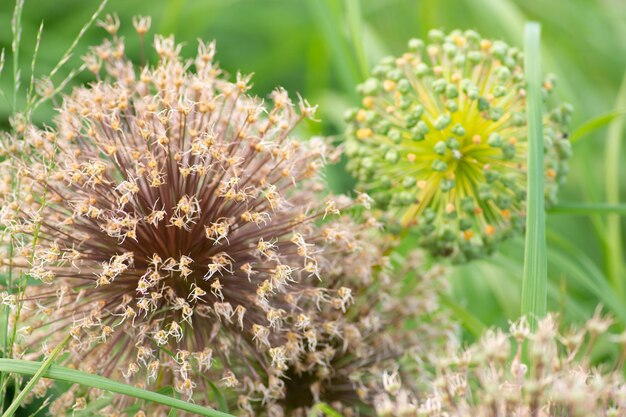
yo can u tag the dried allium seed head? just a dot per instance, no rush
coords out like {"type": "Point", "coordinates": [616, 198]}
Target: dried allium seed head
{"type": "Point", "coordinates": [555, 379]}
{"type": "Point", "coordinates": [351, 359]}
{"type": "Point", "coordinates": [142, 24]}
{"type": "Point", "coordinates": [170, 211]}
{"type": "Point", "coordinates": [440, 141]}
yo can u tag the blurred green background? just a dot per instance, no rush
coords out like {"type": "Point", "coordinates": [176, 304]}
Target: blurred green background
{"type": "Point", "coordinates": [322, 49]}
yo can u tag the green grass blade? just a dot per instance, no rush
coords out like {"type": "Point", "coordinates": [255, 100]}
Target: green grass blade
{"type": "Point", "coordinates": [68, 53]}
{"type": "Point", "coordinates": [39, 372]}
{"type": "Point", "coordinates": [588, 208]}
{"type": "Point", "coordinates": [355, 24]}
{"type": "Point", "coordinates": [42, 408]}
{"type": "Point", "coordinates": [330, 24]}
{"type": "Point", "coordinates": [596, 123]}
{"type": "Point", "coordinates": [324, 410]}
{"type": "Point", "coordinates": [33, 63]}
{"type": "Point", "coordinates": [535, 275]}
{"type": "Point", "coordinates": [613, 158]}
{"type": "Point", "coordinates": [221, 401]}
{"type": "Point", "coordinates": [95, 381]}
{"type": "Point", "coordinates": [16, 28]}
{"type": "Point", "coordinates": [577, 265]}
{"type": "Point", "coordinates": [510, 268]}
{"type": "Point", "coordinates": [470, 322]}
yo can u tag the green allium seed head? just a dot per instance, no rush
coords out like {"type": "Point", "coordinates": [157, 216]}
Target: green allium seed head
{"type": "Point", "coordinates": [440, 142]}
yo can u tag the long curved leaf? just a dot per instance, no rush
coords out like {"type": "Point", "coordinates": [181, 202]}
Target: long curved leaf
{"type": "Point", "coordinates": [61, 373]}
{"type": "Point", "coordinates": [535, 275]}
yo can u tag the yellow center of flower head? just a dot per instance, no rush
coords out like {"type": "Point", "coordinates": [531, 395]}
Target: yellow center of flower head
{"type": "Point", "coordinates": [440, 142]}
{"type": "Point", "coordinates": [177, 212]}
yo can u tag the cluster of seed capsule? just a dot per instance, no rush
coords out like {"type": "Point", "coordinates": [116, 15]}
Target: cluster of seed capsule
{"type": "Point", "coordinates": [440, 142]}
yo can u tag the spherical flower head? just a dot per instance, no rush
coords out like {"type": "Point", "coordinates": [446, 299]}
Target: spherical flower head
{"type": "Point", "coordinates": [174, 223]}
{"type": "Point", "coordinates": [440, 142]}
{"type": "Point", "coordinates": [381, 342]}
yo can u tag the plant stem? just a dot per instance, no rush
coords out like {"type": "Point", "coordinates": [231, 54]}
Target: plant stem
{"type": "Point", "coordinates": [470, 322]}
{"type": "Point", "coordinates": [324, 410]}
{"type": "Point", "coordinates": [614, 249]}
{"type": "Point", "coordinates": [534, 280]}
{"type": "Point", "coordinates": [16, 31]}
{"type": "Point", "coordinates": [36, 376]}
{"type": "Point", "coordinates": [61, 373]}
{"type": "Point", "coordinates": [355, 23]}
{"type": "Point", "coordinates": [328, 17]}
{"type": "Point", "coordinates": [588, 208]}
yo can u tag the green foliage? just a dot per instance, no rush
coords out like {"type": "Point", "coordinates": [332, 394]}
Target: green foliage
{"type": "Point", "coordinates": [39, 372]}
{"type": "Point", "coordinates": [76, 377]}
{"type": "Point", "coordinates": [323, 409]}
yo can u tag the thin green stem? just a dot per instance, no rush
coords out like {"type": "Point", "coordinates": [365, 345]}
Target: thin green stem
{"type": "Point", "coordinates": [612, 161]}
{"type": "Point", "coordinates": [16, 32]}
{"type": "Point", "coordinates": [535, 274]}
{"type": "Point", "coordinates": [355, 25]}
{"type": "Point", "coordinates": [596, 123]}
{"type": "Point", "coordinates": [68, 53]}
{"type": "Point", "coordinates": [33, 62]}
{"type": "Point", "coordinates": [16, 28]}
{"type": "Point", "coordinates": [470, 322]}
{"type": "Point", "coordinates": [588, 208]}
{"type": "Point", "coordinates": [45, 365]}
{"type": "Point", "coordinates": [36, 231]}
{"type": "Point", "coordinates": [324, 410]}
{"type": "Point", "coordinates": [327, 16]}
{"type": "Point", "coordinates": [34, 104]}
{"type": "Point", "coordinates": [61, 373]}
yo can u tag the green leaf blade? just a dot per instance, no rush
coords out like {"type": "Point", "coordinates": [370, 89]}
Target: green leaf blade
{"type": "Point", "coordinates": [535, 274]}
{"type": "Point", "coordinates": [595, 124]}
{"type": "Point", "coordinates": [61, 373]}
{"type": "Point", "coordinates": [588, 208]}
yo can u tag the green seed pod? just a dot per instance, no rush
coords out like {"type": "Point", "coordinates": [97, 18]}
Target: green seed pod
{"type": "Point", "coordinates": [453, 149]}
{"type": "Point", "coordinates": [442, 121]}
{"type": "Point", "coordinates": [440, 147]}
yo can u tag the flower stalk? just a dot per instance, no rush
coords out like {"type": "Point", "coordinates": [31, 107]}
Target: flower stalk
{"type": "Point", "coordinates": [45, 365]}
{"type": "Point", "coordinates": [535, 274]}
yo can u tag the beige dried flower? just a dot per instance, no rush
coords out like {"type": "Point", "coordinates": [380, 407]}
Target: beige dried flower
{"type": "Point", "coordinates": [555, 378]}
{"type": "Point", "coordinates": [173, 222]}
{"type": "Point", "coordinates": [379, 345]}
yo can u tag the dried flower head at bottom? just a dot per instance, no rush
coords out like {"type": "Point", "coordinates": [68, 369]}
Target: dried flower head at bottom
{"type": "Point", "coordinates": [555, 376]}
{"type": "Point", "coordinates": [394, 325]}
